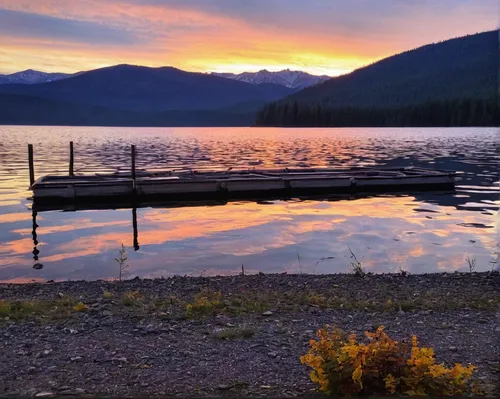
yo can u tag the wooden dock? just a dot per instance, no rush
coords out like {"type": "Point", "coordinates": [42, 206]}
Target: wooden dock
{"type": "Point", "coordinates": [190, 184]}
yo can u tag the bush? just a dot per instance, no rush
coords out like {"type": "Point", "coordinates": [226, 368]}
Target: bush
{"type": "Point", "coordinates": [205, 303]}
{"type": "Point", "coordinates": [342, 366]}
{"type": "Point", "coordinates": [132, 298]}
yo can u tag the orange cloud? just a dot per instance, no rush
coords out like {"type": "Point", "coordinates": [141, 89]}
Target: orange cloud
{"type": "Point", "coordinates": [220, 36]}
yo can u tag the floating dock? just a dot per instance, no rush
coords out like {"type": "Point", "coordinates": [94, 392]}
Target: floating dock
{"type": "Point", "coordinates": [187, 184]}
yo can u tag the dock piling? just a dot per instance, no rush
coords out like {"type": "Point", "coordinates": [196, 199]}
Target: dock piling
{"type": "Point", "coordinates": [31, 164]}
{"type": "Point", "coordinates": [71, 159]}
{"type": "Point", "coordinates": [133, 164]}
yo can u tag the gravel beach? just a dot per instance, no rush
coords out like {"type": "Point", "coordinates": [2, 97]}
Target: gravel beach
{"type": "Point", "coordinates": [137, 338]}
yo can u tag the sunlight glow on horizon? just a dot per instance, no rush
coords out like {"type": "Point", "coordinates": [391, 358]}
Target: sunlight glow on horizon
{"type": "Point", "coordinates": [214, 36]}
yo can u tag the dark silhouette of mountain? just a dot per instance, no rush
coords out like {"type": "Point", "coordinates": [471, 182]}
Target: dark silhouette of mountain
{"type": "Point", "coordinates": [144, 89]}
{"type": "Point", "coordinates": [462, 70]}
{"type": "Point", "coordinates": [26, 110]}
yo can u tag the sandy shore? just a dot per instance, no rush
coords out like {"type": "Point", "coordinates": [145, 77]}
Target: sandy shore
{"type": "Point", "coordinates": [137, 338]}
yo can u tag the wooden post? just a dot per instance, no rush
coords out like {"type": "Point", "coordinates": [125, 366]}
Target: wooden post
{"type": "Point", "coordinates": [71, 159]}
{"type": "Point", "coordinates": [133, 165]}
{"type": "Point", "coordinates": [31, 165]}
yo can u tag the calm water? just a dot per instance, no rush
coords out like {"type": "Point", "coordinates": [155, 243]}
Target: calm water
{"type": "Point", "coordinates": [419, 233]}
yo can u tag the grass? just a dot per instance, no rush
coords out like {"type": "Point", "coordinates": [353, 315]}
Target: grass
{"type": "Point", "coordinates": [472, 264]}
{"type": "Point", "coordinates": [132, 298]}
{"type": "Point", "coordinates": [25, 309]}
{"type": "Point", "coordinates": [355, 265]}
{"type": "Point", "coordinates": [385, 297]}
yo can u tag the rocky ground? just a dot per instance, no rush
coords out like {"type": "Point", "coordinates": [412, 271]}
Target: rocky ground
{"type": "Point", "coordinates": [139, 337]}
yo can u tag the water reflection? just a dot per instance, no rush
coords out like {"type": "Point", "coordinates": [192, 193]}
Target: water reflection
{"type": "Point", "coordinates": [296, 236]}
{"type": "Point", "coordinates": [422, 232]}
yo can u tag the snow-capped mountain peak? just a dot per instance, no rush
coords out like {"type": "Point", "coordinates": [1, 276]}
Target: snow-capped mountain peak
{"type": "Point", "coordinates": [292, 79]}
{"type": "Point", "coordinates": [31, 76]}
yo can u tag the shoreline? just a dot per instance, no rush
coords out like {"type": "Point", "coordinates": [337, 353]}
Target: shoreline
{"type": "Point", "coordinates": [140, 337]}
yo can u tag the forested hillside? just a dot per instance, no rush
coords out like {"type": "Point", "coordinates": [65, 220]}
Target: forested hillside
{"type": "Point", "coordinates": [453, 83]}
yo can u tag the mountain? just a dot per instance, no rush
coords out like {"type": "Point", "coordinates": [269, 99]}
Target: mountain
{"type": "Point", "coordinates": [30, 76]}
{"type": "Point", "coordinates": [292, 79]}
{"type": "Point", "coordinates": [143, 89]}
{"type": "Point", "coordinates": [445, 74]}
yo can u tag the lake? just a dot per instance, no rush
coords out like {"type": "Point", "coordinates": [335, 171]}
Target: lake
{"type": "Point", "coordinates": [419, 232]}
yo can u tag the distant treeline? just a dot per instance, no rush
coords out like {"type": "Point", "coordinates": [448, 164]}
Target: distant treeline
{"type": "Point", "coordinates": [462, 112]}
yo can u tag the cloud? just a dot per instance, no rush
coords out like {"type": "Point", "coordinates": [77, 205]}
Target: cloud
{"type": "Point", "coordinates": [31, 25]}
{"type": "Point", "coordinates": [319, 36]}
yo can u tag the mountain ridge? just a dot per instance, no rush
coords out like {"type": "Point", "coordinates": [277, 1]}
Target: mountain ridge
{"type": "Point", "coordinates": [32, 76]}
{"type": "Point", "coordinates": [402, 79]}
{"type": "Point", "coordinates": [291, 79]}
{"type": "Point", "coordinates": [145, 89]}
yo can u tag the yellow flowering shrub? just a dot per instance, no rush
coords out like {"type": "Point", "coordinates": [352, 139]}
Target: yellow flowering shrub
{"type": "Point", "coordinates": [204, 303]}
{"type": "Point", "coordinates": [381, 366]}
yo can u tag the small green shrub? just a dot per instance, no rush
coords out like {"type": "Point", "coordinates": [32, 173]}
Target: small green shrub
{"type": "Point", "coordinates": [122, 263]}
{"type": "Point", "coordinates": [4, 308]}
{"type": "Point", "coordinates": [204, 304]}
{"type": "Point", "coordinates": [107, 295]}
{"type": "Point", "coordinates": [132, 298]}
{"type": "Point", "coordinates": [317, 300]}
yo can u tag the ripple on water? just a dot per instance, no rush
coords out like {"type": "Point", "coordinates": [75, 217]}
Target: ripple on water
{"type": "Point", "coordinates": [423, 232]}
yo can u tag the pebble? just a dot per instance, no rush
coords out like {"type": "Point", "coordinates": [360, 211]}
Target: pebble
{"type": "Point", "coordinates": [497, 329]}
{"type": "Point", "coordinates": [482, 321]}
{"type": "Point", "coordinates": [107, 313]}
{"type": "Point", "coordinates": [401, 313]}
{"type": "Point", "coordinates": [453, 349]}
{"type": "Point", "coordinates": [268, 313]}
{"type": "Point", "coordinates": [75, 359]}
{"type": "Point", "coordinates": [223, 387]}
{"type": "Point", "coordinates": [272, 355]}
{"type": "Point", "coordinates": [44, 395]}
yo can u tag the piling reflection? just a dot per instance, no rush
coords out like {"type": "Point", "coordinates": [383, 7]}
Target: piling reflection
{"type": "Point", "coordinates": [136, 233]}
{"type": "Point", "coordinates": [36, 252]}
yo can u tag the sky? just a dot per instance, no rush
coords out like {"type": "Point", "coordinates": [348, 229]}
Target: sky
{"type": "Point", "coordinates": [329, 37]}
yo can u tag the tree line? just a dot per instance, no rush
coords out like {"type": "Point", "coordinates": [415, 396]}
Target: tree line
{"type": "Point", "coordinates": [460, 112]}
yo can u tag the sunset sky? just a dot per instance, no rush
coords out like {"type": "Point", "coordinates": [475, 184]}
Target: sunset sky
{"type": "Point", "coordinates": [318, 36]}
